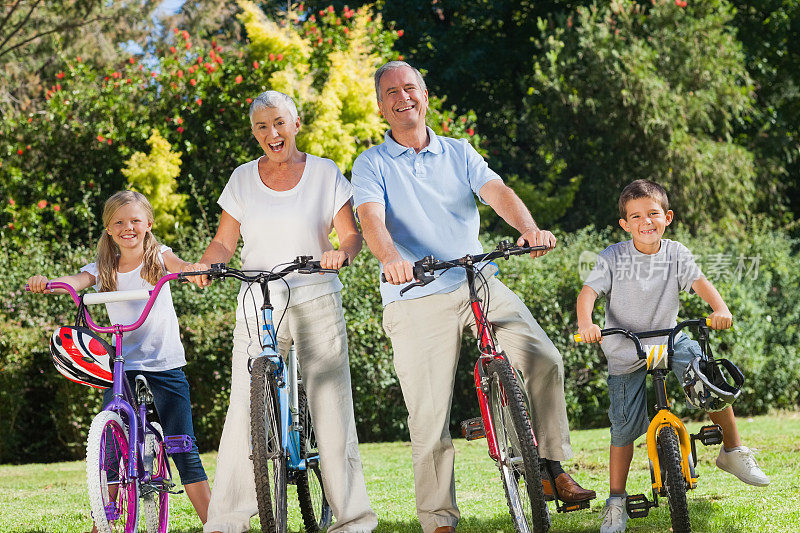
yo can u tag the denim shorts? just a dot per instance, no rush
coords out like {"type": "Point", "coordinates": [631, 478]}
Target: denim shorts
{"type": "Point", "coordinates": [171, 394]}
{"type": "Point", "coordinates": [628, 394]}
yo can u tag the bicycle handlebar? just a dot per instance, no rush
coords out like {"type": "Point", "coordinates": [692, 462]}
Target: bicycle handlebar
{"type": "Point", "coordinates": [425, 267]}
{"type": "Point", "coordinates": [700, 323]}
{"type": "Point", "coordinates": [302, 264]}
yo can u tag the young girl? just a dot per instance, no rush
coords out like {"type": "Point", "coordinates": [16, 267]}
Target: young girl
{"type": "Point", "coordinates": [128, 258]}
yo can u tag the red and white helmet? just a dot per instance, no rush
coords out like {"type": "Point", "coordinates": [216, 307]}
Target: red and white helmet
{"type": "Point", "coordinates": [81, 356]}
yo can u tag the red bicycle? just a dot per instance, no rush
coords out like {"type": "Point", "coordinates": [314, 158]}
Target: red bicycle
{"type": "Point", "coordinates": [505, 418]}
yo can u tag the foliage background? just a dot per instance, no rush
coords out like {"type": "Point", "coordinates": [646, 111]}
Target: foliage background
{"type": "Point", "coordinates": [568, 100]}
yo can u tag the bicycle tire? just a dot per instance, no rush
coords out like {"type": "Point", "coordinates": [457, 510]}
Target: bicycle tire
{"type": "Point", "coordinates": [674, 482]}
{"type": "Point", "coordinates": [314, 507]}
{"type": "Point", "coordinates": [155, 503]}
{"type": "Point", "coordinates": [269, 460]}
{"type": "Point", "coordinates": [519, 458]}
{"type": "Point", "coordinates": [113, 496]}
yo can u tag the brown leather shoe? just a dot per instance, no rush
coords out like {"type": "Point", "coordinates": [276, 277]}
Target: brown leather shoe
{"type": "Point", "coordinates": [445, 529]}
{"type": "Point", "coordinates": [568, 490]}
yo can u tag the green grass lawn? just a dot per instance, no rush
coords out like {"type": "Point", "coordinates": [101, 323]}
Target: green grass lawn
{"type": "Point", "coordinates": [51, 497]}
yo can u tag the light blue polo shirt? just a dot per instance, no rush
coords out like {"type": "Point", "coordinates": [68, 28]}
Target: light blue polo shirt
{"type": "Point", "coordinates": [430, 202]}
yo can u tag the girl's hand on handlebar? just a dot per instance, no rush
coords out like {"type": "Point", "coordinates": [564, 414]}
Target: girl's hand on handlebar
{"type": "Point", "coordinates": [333, 259]}
{"type": "Point", "coordinates": [720, 320]}
{"type": "Point", "coordinates": [537, 237]}
{"type": "Point", "coordinates": [200, 281]}
{"type": "Point", "coordinates": [590, 333]}
{"type": "Point", "coordinates": [38, 284]}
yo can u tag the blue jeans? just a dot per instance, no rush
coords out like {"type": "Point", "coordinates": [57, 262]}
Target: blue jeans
{"type": "Point", "coordinates": [171, 394]}
{"type": "Point", "coordinates": [628, 394]}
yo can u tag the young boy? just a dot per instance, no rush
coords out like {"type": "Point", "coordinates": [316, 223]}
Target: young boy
{"type": "Point", "coordinates": [641, 279]}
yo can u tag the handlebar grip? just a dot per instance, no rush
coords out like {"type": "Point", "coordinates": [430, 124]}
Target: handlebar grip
{"type": "Point", "coordinates": [383, 277]}
{"type": "Point", "coordinates": [577, 337]}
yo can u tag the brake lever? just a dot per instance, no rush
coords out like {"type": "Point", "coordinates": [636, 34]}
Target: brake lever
{"type": "Point", "coordinates": [422, 280]}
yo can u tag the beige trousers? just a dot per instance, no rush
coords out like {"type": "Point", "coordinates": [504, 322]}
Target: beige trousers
{"type": "Point", "coordinates": [426, 338]}
{"type": "Point", "coordinates": [318, 330]}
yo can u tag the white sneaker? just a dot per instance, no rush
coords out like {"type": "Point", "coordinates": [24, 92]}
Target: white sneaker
{"type": "Point", "coordinates": [615, 517]}
{"type": "Point", "coordinates": [740, 462]}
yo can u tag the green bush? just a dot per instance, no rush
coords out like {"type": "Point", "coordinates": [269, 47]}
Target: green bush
{"type": "Point", "coordinates": [45, 418]}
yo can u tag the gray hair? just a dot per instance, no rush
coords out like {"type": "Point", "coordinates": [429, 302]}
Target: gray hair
{"type": "Point", "coordinates": [394, 65]}
{"type": "Point", "coordinates": [273, 100]}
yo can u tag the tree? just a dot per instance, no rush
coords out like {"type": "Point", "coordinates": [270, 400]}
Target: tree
{"type": "Point", "coordinates": [34, 35]}
{"type": "Point", "coordinates": [626, 91]}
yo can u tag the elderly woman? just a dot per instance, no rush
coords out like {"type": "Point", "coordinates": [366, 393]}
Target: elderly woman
{"type": "Point", "coordinates": [284, 204]}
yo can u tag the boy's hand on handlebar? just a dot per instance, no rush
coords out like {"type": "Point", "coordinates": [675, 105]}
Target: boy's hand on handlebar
{"type": "Point", "coordinates": [333, 259]}
{"type": "Point", "coordinates": [537, 237]}
{"type": "Point", "coordinates": [590, 333]}
{"type": "Point", "coordinates": [200, 281]}
{"type": "Point", "coordinates": [720, 320]}
{"type": "Point", "coordinates": [38, 284]}
{"type": "Point", "coordinates": [398, 271]}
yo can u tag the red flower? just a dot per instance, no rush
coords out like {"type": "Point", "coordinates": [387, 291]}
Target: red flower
{"type": "Point", "coordinates": [470, 132]}
{"type": "Point", "coordinates": [108, 141]}
{"type": "Point", "coordinates": [179, 120]}
{"type": "Point", "coordinates": [153, 74]}
{"type": "Point", "coordinates": [346, 30]}
{"type": "Point", "coordinates": [212, 54]}
{"type": "Point", "coordinates": [172, 49]}
{"type": "Point", "coordinates": [272, 57]}
{"type": "Point", "coordinates": [79, 59]}
{"type": "Point", "coordinates": [312, 18]}
{"type": "Point", "coordinates": [445, 128]}
{"type": "Point", "coordinates": [100, 138]}
{"type": "Point", "coordinates": [42, 204]}
{"type": "Point", "coordinates": [218, 59]}
{"type": "Point", "coordinates": [255, 65]}
{"type": "Point", "coordinates": [321, 12]}
{"type": "Point", "coordinates": [249, 100]}
{"type": "Point", "coordinates": [279, 57]}
{"type": "Point", "coordinates": [180, 129]}
{"type": "Point", "coordinates": [188, 45]}
{"type": "Point", "coordinates": [56, 207]}
{"type": "Point", "coordinates": [463, 120]}
{"type": "Point", "coordinates": [400, 33]}
{"type": "Point", "coordinates": [11, 225]}
{"type": "Point", "coordinates": [330, 41]}
{"type": "Point", "coordinates": [19, 151]}
{"type": "Point", "coordinates": [60, 75]}
{"type": "Point", "coordinates": [206, 65]}
{"type": "Point", "coordinates": [180, 73]}
{"type": "Point", "coordinates": [199, 101]}
{"type": "Point", "coordinates": [131, 60]}
{"type": "Point", "coordinates": [192, 82]}
{"type": "Point", "coordinates": [11, 201]}
{"type": "Point", "coordinates": [330, 9]}
{"type": "Point", "coordinates": [238, 79]}
{"type": "Point", "coordinates": [401, 57]}
{"type": "Point", "coordinates": [185, 34]}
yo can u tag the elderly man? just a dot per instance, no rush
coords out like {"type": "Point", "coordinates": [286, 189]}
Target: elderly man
{"type": "Point", "coordinates": [414, 197]}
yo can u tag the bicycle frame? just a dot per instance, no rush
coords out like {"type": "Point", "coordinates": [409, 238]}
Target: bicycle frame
{"type": "Point", "coordinates": [488, 352]}
{"type": "Point", "coordinates": [286, 376]}
{"type": "Point", "coordinates": [124, 399]}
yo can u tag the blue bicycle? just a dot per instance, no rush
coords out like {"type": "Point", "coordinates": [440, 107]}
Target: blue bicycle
{"type": "Point", "coordinates": [282, 437]}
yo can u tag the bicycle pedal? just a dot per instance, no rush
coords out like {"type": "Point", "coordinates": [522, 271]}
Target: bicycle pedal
{"type": "Point", "coordinates": [473, 429]}
{"type": "Point", "coordinates": [178, 444]}
{"type": "Point", "coordinates": [573, 506]}
{"type": "Point", "coordinates": [709, 435]}
{"type": "Point", "coordinates": [638, 506]}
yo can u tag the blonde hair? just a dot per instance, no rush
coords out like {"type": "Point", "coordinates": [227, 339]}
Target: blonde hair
{"type": "Point", "coordinates": [108, 251]}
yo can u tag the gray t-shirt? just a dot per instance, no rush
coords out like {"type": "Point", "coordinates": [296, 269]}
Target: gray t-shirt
{"type": "Point", "coordinates": [641, 293]}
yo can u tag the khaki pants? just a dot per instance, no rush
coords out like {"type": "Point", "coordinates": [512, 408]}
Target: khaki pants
{"type": "Point", "coordinates": [318, 330]}
{"type": "Point", "coordinates": [426, 337]}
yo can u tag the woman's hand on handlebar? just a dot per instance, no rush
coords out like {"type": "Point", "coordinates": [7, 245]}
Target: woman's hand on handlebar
{"type": "Point", "coordinates": [38, 284]}
{"type": "Point", "coordinates": [720, 320]}
{"type": "Point", "coordinates": [590, 333]}
{"type": "Point", "coordinates": [200, 281]}
{"type": "Point", "coordinates": [537, 237]}
{"type": "Point", "coordinates": [334, 259]}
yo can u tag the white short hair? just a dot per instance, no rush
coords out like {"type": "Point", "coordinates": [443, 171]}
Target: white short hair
{"type": "Point", "coordinates": [394, 65]}
{"type": "Point", "coordinates": [273, 100]}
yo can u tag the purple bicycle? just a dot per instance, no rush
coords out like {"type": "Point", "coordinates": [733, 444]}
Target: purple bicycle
{"type": "Point", "coordinates": [126, 451]}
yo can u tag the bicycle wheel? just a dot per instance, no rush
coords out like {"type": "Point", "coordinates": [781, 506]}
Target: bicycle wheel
{"type": "Point", "coordinates": [310, 490]}
{"type": "Point", "coordinates": [155, 502]}
{"type": "Point", "coordinates": [674, 482]}
{"type": "Point", "coordinates": [519, 458]}
{"type": "Point", "coordinates": [113, 496]}
{"type": "Point", "coordinates": [269, 460]}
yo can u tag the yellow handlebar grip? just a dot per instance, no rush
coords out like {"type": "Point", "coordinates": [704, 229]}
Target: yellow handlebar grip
{"type": "Point", "coordinates": [577, 337]}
